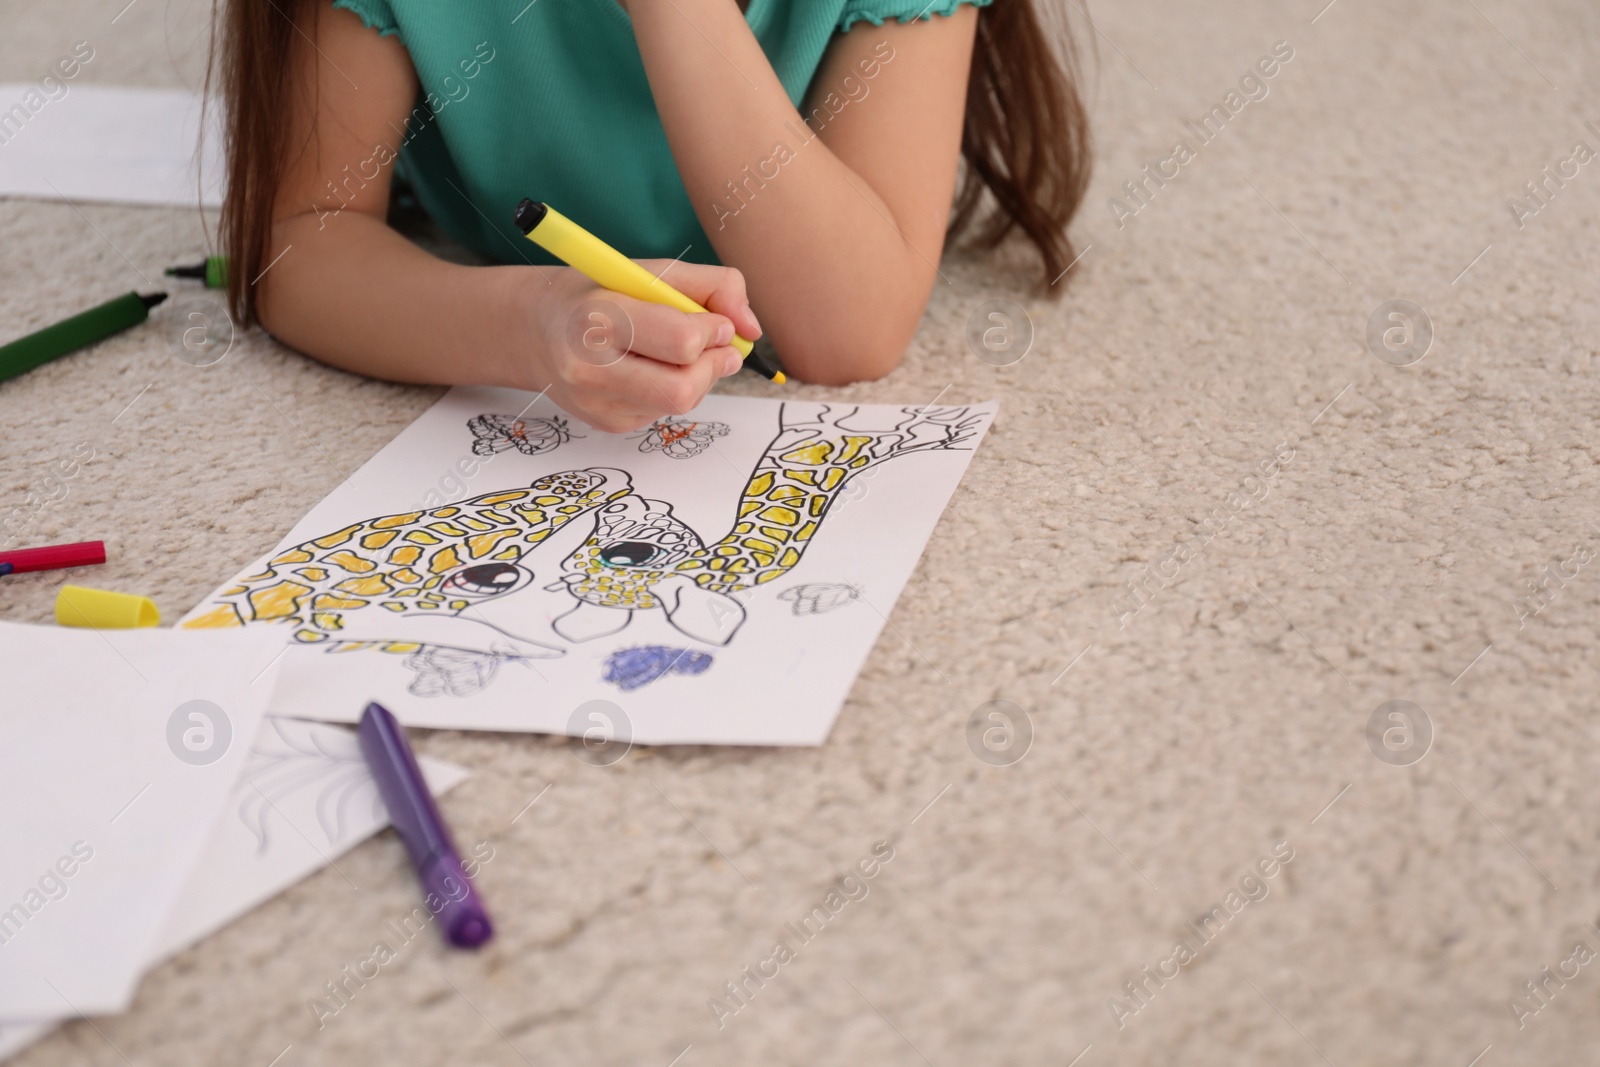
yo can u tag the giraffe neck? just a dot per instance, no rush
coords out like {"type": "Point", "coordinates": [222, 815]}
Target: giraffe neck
{"type": "Point", "coordinates": [779, 512]}
{"type": "Point", "coordinates": [403, 561]}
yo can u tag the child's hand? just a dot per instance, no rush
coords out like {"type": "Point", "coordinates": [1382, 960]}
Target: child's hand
{"type": "Point", "coordinates": [618, 363]}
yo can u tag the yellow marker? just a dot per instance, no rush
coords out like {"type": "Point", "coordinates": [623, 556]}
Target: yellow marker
{"type": "Point", "coordinates": [583, 251]}
{"type": "Point", "coordinates": [98, 609]}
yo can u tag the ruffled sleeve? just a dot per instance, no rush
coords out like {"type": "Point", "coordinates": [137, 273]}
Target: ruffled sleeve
{"type": "Point", "coordinates": [375, 13]}
{"type": "Point", "coordinates": [879, 11]}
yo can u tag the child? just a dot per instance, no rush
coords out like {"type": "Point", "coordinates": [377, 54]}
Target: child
{"type": "Point", "coordinates": [810, 146]}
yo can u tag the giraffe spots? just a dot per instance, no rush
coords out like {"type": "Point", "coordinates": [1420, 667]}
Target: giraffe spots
{"type": "Point", "coordinates": [781, 515]}
{"type": "Point", "coordinates": [460, 605]}
{"type": "Point", "coordinates": [806, 531]}
{"type": "Point", "coordinates": [400, 646]}
{"type": "Point", "coordinates": [726, 550]}
{"type": "Point", "coordinates": [443, 560]}
{"type": "Point", "coordinates": [858, 462]}
{"type": "Point", "coordinates": [509, 553]}
{"type": "Point", "coordinates": [474, 524]}
{"type": "Point", "coordinates": [496, 517]}
{"type": "Point", "coordinates": [278, 601]}
{"type": "Point", "coordinates": [447, 529]}
{"type": "Point", "coordinates": [813, 454]}
{"type": "Point", "coordinates": [327, 620]}
{"type": "Point", "coordinates": [758, 545]}
{"type": "Point", "coordinates": [433, 598]}
{"type": "Point", "coordinates": [538, 535]}
{"type": "Point", "coordinates": [808, 477]}
{"type": "Point", "coordinates": [501, 498]}
{"type": "Point", "coordinates": [235, 590]}
{"type": "Point", "coordinates": [532, 516]}
{"type": "Point", "coordinates": [748, 506]}
{"type": "Point", "coordinates": [390, 522]}
{"type": "Point", "coordinates": [406, 575]}
{"type": "Point", "coordinates": [786, 492]}
{"type": "Point", "coordinates": [294, 555]}
{"type": "Point", "coordinates": [819, 504]}
{"type": "Point", "coordinates": [378, 539]}
{"type": "Point", "coordinates": [445, 513]}
{"type": "Point", "coordinates": [407, 592]}
{"type": "Point", "coordinates": [220, 617]}
{"type": "Point", "coordinates": [432, 582]}
{"type": "Point", "coordinates": [351, 562]}
{"type": "Point", "coordinates": [852, 445]}
{"type": "Point", "coordinates": [311, 574]}
{"type": "Point", "coordinates": [790, 558]}
{"type": "Point", "coordinates": [405, 555]}
{"type": "Point", "coordinates": [329, 602]}
{"type": "Point", "coordinates": [373, 585]}
{"type": "Point", "coordinates": [337, 538]}
{"type": "Point", "coordinates": [775, 533]}
{"type": "Point", "coordinates": [831, 480]}
{"type": "Point", "coordinates": [480, 545]}
{"type": "Point", "coordinates": [767, 576]}
{"type": "Point", "coordinates": [759, 484]}
{"type": "Point", "coordinates": [690, 564]}
{"type": "Point", "coordinates": [763, 559]}
{"type": "Point", "coordinates": [422, 537]}
{"type": "Point", "coordinates": [309, 636]}
{"type": "Point", "coordinates": [429, 604]}
{"type": "Point", "coordinates": [394, 605]}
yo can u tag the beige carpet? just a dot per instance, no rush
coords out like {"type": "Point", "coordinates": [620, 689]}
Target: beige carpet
{"type": "Point", "coordinates": [1347, 532]}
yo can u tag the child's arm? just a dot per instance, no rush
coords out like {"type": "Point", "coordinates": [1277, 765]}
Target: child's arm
{"type": "Point", "coordinates": [840, 246]}
{"type": "Point", "coordinates": [342, 286]}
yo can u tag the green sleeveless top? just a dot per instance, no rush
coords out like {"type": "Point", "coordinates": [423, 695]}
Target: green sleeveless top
{"type": "Point", "coordinates": [548, 99]}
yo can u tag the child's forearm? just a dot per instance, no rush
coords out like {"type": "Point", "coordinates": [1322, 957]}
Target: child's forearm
{"type": "Point", "coordinates": [353, 293]}
{"type": "Point", "coordinates": [839, 271]}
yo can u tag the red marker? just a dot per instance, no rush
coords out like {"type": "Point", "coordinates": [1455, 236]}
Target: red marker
{"type": "Point", "coordinates": [53, 557]}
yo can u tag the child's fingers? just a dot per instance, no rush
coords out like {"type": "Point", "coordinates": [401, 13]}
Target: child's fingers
{"type": "Point", "coordinates": [640, 384]}
{"type": "Point", "coordinates": [719, 289]}
{"type": "Point", "coordinates": [670, 335]}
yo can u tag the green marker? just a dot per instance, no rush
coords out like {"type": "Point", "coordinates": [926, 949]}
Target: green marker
{"type": "Point", "coordinates": [83, 329]}
{"type": "Point", "coordinates": [213, 271]}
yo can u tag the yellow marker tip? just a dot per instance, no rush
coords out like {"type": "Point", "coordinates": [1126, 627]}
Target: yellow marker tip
{"type": "Point", "coordinates": [779, 378]}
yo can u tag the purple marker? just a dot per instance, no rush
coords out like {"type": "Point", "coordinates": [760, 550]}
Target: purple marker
{"type": "Point", "coordinates": [445, 886]}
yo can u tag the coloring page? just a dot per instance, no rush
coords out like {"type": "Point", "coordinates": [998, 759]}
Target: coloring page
{"type": "Point", "coordinates": [717, 577]}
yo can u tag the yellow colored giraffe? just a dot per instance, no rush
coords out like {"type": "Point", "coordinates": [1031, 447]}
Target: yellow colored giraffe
{"type": "Point", "coordinates": [409, 583]}
{"type": "Point", "coordinates": [351, 588]}
{"type": "Point", "coordinates": [641, 557]}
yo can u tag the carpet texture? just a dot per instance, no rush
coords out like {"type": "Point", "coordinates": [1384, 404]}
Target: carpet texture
{"type": "Point", "coordinates": [1211, 535]}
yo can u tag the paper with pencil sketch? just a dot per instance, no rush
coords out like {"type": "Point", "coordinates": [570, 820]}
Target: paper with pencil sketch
{"type": "Point", "coordinates": [117, 751]}
{"type": "Point", "coordinates": [303, 798]}
{"type": "Point", "coordinates": [715, 578]}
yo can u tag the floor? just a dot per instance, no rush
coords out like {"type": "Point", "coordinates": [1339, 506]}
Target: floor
{"type": "Point", "coordinates": [1221, 524]}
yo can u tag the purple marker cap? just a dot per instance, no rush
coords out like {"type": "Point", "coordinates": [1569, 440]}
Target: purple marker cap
{"type": "Point", "coordinates": [446, 889]}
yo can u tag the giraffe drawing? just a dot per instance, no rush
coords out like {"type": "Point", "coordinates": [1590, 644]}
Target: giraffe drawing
{"type": "Point", "coordinates": [641, 556]}
{"type": "Point", "coordinates": [423, 583]}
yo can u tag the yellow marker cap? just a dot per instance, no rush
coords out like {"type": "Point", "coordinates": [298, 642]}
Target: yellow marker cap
{"type": "Point", "coordinates": [78, 605]}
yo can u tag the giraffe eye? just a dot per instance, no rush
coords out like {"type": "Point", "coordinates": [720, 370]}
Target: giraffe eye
{"type": "Point", "coordinates": [488, 579]}
{"type": "Point", "coordinates": [628, 554]}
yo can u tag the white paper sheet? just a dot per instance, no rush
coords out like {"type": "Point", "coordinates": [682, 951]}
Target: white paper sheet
{"type": "Point", "coordinates": [110, 143]}
{"type": "Point", "coordinates": [303, 799]}
{"type": "Point", "coordinates": [718, 578]}
{"type": "Point", "coordinates": [117, 751]}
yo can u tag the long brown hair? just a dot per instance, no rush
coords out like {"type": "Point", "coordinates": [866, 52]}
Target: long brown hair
{"type": "Point", "coordinates": [251, 42]}
{"type": "Point", "coordinates": [1025, 139]}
